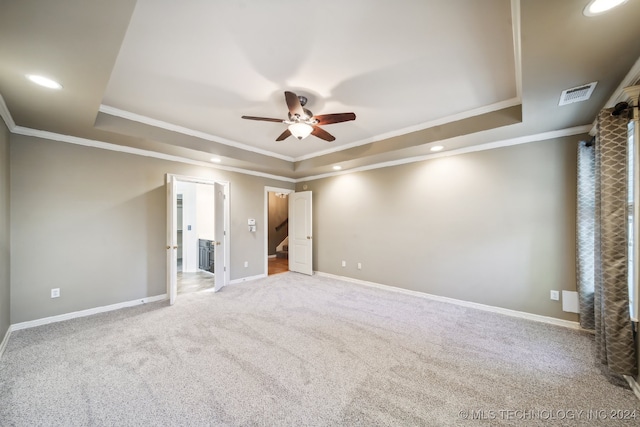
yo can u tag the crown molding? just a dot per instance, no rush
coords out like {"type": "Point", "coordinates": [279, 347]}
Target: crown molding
{"type": "Point", "coordinates": [153, 154]}
{"type": "Point", "coordinates": [112, 111]}
{"type": "Point", "coordinates": [632, 78]}
{"type": "Point", "coordinates": [471, 149]}
{"type": "Point", "coordinates": [138, 152]}
{"type": "Point", "coordinates": [517, 45]}
{"type": "Point", "coordinates": [517, 57]}
{"type": "Point", "coordinates": [422, 126]}
{"type": "Point", "coordinates": [6, 115]}
{"type": "Point", "coordinates": [632, 93]}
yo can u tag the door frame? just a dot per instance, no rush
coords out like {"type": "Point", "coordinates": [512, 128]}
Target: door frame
{"type": "Point", "coordinates": [172, 228]}
{"type": "Point", "coordinates": [265, 221]}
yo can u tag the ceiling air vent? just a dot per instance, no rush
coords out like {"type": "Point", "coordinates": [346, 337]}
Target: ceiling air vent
{"type": "Point", "coordinates": [577, 94]}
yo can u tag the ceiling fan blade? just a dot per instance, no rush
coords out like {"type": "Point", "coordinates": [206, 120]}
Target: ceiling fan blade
{"type": "Point", "coordinates": [327, 119]}
{"type": "Point", "coordinates": [263, 119]}
{"type": "Point", "coordinates": [322, 134]}
{"type": "Point", "coordinates": [284, 135]}
{"type": "Point", "coordinates": [293, 102]}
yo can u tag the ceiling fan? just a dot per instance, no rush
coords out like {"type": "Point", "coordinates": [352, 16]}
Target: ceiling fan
{"type": "Point", "coordinates": [302, 122]}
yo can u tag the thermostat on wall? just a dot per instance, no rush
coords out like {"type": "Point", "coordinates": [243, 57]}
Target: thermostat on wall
{"type": "Point", "coordinates": [251, 221]}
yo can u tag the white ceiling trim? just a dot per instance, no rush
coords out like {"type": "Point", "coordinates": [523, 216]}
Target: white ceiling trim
{"type": "Point", "coordinates": [517, 45]}
{"type": "Point", "coordinates": [6, 115]}
{"type": "Point", "coordinates": [20, 130]}
{"type": "Point", "coordinates": [471, 149]}
{"type": "Point", "coordinates": [437, 122]}
{"type": "Point", "coordinates": [138, 152]}
{"type": "Point", "coordinates": [186, 131]}
{"type": "Point", "coordinates": [517, 56]}
{"type": "Point", "coordinates": [632, 77]}
{"type": "Point", "coordinates": [146, 153]}
{"type": "Point", "coordinates": [415, 128]}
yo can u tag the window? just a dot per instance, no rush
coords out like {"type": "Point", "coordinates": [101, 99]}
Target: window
{"type": "Point", "coordinates": [633, 285]}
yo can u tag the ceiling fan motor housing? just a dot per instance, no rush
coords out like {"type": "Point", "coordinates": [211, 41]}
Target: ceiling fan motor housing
{"type": "Point", "coordinates": [302, 122]}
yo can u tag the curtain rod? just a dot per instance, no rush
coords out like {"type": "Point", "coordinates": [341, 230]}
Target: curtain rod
{"type": "Point", "coordinates": [590, 142]}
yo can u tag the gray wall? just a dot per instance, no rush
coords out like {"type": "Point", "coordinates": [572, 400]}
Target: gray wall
{"type": "Point", "coordinates": [495, 227]}
{"type": "Point", "coordinates": [4, 231]}
{"type": "Point", "coordinates": [92, 223]}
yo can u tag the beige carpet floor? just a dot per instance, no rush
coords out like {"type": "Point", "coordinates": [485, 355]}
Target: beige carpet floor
{"type": "Point", "coordinates": [292, 350]}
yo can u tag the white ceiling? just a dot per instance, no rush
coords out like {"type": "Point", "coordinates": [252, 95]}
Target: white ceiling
{"type": "Point", "coordinates": [398, 64]}
{"type": "Point", "coordinates": [174, 78]}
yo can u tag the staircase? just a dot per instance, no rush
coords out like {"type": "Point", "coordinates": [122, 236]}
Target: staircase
{"type": "Point", "coordinates": [282, 250]}
{"type": "Point", "coordinates": [284, 253]}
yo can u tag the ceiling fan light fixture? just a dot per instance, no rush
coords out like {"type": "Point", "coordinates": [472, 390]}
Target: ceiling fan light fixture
{"type": "Point", "coordinates": [300, 130]}
{"type": "Point", "coordinates": [596, 7]}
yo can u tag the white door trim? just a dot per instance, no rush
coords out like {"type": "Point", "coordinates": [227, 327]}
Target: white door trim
{"type": "Point", "coordinates": [171, 238]}
{"type": "Point", "coordinates": [227, 236]}
{"type": "Point", "coordinates": [219, 202]}
{"type": "Point", "coordinates": [265, 221]}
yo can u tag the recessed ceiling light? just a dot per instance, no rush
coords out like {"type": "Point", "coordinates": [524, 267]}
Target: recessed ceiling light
{"type": "Point", "coordinates": [437, 148]}
{"type": "Point", "coordinates": [216, 159]}
{"type": "Point", "coordinates": [337, 168]}
{"type": "Point", "coordinates": [596, 7]}
{"type": "Point", "coordinates": [44, 81]}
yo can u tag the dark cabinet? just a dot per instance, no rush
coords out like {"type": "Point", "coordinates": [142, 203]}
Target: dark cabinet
{"type": "Point", "coordinates": [206, 250]}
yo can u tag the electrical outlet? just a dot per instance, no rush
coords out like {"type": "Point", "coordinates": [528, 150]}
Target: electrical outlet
{"type": "Point", "coordinates": [246, 264]}
{"type": "Point", "coordinates": [344, 263]}
{"type": "Point", "coordinates": [359, 266]}
{"type": "Point", "coordinates": [55, 293]}
{"type": "Point", "coordinates": [555, 295]}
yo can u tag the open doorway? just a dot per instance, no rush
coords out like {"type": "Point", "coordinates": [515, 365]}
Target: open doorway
{"type": "Point", "coordinates": [197, 240]}
{"type": "Point", "coordinates": [196, 237]}
{"type": "Point", "coordinates": [277, 233]}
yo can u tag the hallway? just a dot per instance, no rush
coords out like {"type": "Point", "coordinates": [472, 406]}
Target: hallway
{"type": "Point", "coordinates": [278, 265]}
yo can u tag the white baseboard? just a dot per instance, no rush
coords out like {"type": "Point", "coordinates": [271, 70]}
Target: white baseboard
{"type": "Point", "coordinates": [247, 279]}
{"type": "Point", "coordinates": [484, 307]}
{"type": "Point", "coordinates": [83, 313]}
{"type": "Point", "coordinates": [5, 341]}
{"type": "Point", "coordinates": [271, 256]}
{"type": "Point", "coordinates": [633, 384]}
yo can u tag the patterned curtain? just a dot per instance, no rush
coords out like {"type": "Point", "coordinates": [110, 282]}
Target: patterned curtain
{"type": "Point", "coordinates": [614, 334]}
{"type": "Point", "coordinates": [585, 233]}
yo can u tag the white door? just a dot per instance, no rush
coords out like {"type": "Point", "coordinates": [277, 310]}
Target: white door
{"type": "Point", "coordinates": [300, 238]}
{"type": "Point", "coordinates": [172, 239]}
{"type": "Point", "coordinates": [219, 232]}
